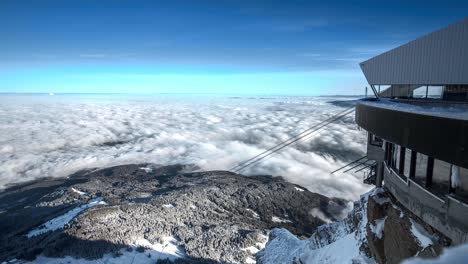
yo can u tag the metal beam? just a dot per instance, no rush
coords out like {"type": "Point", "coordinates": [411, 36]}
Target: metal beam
{"type": "Point", "coordinates": [375, 91]}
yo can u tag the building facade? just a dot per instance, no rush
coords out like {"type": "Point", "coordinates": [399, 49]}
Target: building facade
{"type": "Point", "coordinates": [418, 126]}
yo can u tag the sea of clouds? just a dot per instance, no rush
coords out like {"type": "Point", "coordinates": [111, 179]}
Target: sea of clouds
{"type": "Point", "coordinates": [54, 136]}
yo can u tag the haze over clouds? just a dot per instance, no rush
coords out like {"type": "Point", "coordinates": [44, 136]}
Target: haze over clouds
{"type": "Point", "coordinates": [58, 135]}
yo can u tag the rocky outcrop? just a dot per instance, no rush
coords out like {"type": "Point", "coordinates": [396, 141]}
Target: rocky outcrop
{"type": "Point", "coordinates": [376, 230]}
{"type": "Point", "coordinates": [342, 241]}
{"type": "Point", "coordinates": [181, 215]}
{"type": "Point", "coordinates": [395, 234]}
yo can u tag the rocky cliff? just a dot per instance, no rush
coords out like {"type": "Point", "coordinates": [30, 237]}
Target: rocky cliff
{"type": "Point", "coordinates": [377, 230]}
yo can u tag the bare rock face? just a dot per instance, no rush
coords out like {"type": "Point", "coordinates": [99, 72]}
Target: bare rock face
{"type": "Point", "coordinates": [214, 216]}
{"type": "Point", "coordinates": [394, 233]}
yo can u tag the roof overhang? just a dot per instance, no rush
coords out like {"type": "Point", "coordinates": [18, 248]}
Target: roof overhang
{"type": "Point", "coordinates": [439, 58]}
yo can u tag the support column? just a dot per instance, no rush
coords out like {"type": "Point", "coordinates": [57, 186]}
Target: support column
{"type": "Point", "coordinates": [412, 173]}
{"type": "Point", "coordinates": [429, 171]}
{"type": "Point", "coordinates": [401, 164]}
{"type": "Point", "coordinates": [379, 174]}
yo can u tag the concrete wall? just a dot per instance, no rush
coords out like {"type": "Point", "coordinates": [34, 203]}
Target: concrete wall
{"type": "Point", "coordinates": [375, 152]}
{"type": "Point", "coordinates": [449, 216]}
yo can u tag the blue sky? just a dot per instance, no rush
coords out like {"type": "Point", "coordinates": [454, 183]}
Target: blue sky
{"type": "Point", "coordinates": [265, 47]}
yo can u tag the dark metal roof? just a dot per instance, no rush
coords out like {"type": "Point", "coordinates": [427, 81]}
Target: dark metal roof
{"type": "Point", "coordinates": [438, 58]}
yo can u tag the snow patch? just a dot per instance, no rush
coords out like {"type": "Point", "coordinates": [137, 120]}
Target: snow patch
{"type": "Point", "coordinates": [298, 189]}
{"type": "Point", "coordinates": [264, 240]}
{"type": "Point", "coordinates": [344, 250]}
{"type": "Point", "coordinates": [258, 245]}
{"type": "Point", "coordinates": [60, 221]}
{"type": "Point", "coordinates": [78, 191]}
{"type": "Point", "coordinates": [168, 249]}
{"type": "Point", "coordinates": [253, 250]}
{"type": "Point", "coordinates": [381, 200]}
{"type": "Point", "coordinates": [423, 237]}
{"type": "Point", "coordinates": [250, 260]}
{"type": "Point", "coordinates": [280, 220]}
{"type": "Point", "coordinates": [378, 228]}
{"type": "Point", "coordinates": [169, 246]}
{"type": "Point", "coordinates": [147, 169]}
{"type": "Point", "coordinates": [254, 214]}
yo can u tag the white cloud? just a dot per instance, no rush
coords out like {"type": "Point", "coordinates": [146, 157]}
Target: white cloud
{"type": "Point", "coordinates": [314, 55]}
{"type": "Point", "coordinates": [56, 136]}
{"type": "Point", "coordinates": [93, 55]}
{"type": "Point", "coordinates": [302, 25]}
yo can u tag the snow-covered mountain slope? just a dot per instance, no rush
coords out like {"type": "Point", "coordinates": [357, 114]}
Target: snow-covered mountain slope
{"type": "Point", "coordinates": [148, 213]}
{"type": "Point", "coordinates": [377, 230]}
{"type": "Point", "coordinates": [339, 242]}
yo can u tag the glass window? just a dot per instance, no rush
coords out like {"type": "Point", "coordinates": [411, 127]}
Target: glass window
{"type": "Point", "coordinates": [441, 172]}
{"type": "Point", "coordinates": [435, 92]}
{"type": "Point", "coordinates": [406, 171]}
{"type": "Point", "coordinates": [374, 140]}
{"type": "Point", "coordinates": [464, 179]}
{"type": "Point", "coordinates": [383, 90]}
{"type": "Point", "coordinates": [420, 92]}
{"type": "Point", "coordinates": [421, 168]}
{"type": "Point", "coordinates": [462, 191]}
{"type": "Point", "coordinates": [396, 158]}
{"type": "Point", "coordinates": [388, 153]}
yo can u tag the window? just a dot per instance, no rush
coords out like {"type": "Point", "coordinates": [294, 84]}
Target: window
{"type": "Point", "coordinates": [421, 168]}
{"type": "Point", "coordinates": [456, 92]}
{"type": "Point", "coordinates": [441, 173]}
{"type": "Point", "coordinates": [383, 90]}
{"type": "Point", "coordinates": [432, 92]}
{"type": "Point", "coordinates": [435, 92]}
{"type": "Point", "coordinates": [407, 166]}
{"type": "Point", "coordinates": [463, 190]}
{"type": "Point", "coordinates": [420, 92]}
{"type": "Point", "coordinates": [388, 153]}
{"type": "Point", "coordinates": [396, 158]}
{"type": "Point", "coordinates": [374, 140]}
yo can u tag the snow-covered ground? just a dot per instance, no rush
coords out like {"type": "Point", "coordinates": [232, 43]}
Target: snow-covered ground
{"type": "Point", "coordinates": [378, 227]}
{"type": "Point", "coordinates": [150, 253]}
{"type": "Point", "coordinates": [424, 239]}
{"type": "Point", "coordinates": [338, 242]}
{"type": "Point", "coordinates": [253, 250]}
{"type": "Point", "coordinates": [62, 220]}
{"type": "Point", "coordinates": [277, 219]}
{"type": "Point", "coordinates": [78, 191]}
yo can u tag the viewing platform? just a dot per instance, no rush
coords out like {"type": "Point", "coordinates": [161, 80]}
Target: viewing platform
{"type": "Point", "coordinates": [417, 127]}
{"type": "Point", "coordinates": [419, 144]}
{"type": "Point", "coordinates": [438, 129]}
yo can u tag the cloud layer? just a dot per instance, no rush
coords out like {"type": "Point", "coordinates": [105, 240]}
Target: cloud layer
{"type": "Point", "coordinates": [55, 136]}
